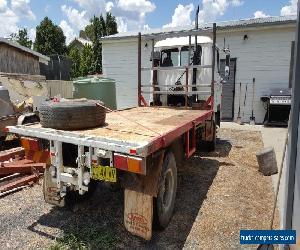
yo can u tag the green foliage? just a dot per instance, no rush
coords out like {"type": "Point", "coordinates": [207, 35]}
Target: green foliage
{"type": "Point", "coordinates": [107, 27]}
{"type": "Point", "coordinates": [88, 31]}
{"type": "Point", "coordinates": [111, 27]}
{"type": "Point", "coordinates": [98, 26]}
{"type": "Point", "coordinates": [50, 38]}
{"type": "Point", "coordinates": [86, 238]}
{"type": "Point", "coordinates": [91, 57]}
{"type": "Point", "coordinates": [86, 61]}
{"type": "Point", "coordinates": [22, 38]}
{"type": "Point", "coordinates": [74, 55]}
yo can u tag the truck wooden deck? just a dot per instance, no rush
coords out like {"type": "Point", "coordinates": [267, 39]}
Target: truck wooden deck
{"type": "Point", "coordinates": [139, 131]}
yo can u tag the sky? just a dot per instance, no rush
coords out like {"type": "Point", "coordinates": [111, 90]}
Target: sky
{"type": "Point", "coordinates": [73, 15]}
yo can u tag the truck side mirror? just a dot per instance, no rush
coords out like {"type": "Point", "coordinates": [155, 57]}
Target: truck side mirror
{"type": "Point", "coordinates": [227, 64]}
{"type": "Point", "coordinates": [155, 56]}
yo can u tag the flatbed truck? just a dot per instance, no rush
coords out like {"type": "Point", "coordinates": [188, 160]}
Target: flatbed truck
{"type": "Point", "coordinates": [139, 147]}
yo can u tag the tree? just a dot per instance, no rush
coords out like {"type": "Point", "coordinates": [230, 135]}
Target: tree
{"type": "Point", "coordinates": [97, 47]}
{"type": "Point", "coordinates": [86, 61]}
{"type": "Point", "coordinates": [98, 28]}
{"type": "Point", "coordinates": [74, 55]}
{"type": "Point", "coordinates": [89, 59]}
{"type": "Point", "coordinates": [22, 38]}
{"type": "Point", "coordinates": [111, 26]}
{"type": "Point", "coordinates": [50, 38]}
{"type": "Point", "coordinates": [108, 27]}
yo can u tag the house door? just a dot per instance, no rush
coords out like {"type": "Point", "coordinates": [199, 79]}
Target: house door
{"type": "Point", "coordinates": [227, 102]}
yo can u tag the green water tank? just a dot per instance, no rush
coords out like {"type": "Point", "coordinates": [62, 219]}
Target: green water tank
{"type": "Point", "coordinates": [97, 88]}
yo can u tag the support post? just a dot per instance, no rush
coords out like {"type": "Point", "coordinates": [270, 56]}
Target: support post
{"type": "Point", "coordinates": [154, 73]}
{"type": "Point", "coordinates": [58, 162]}
{"type": "Point", "coordinates": [186, 85]}
{"type": "Point", "coordinates": [139, 69]}
{"type": "Point", "coordinates": [190, 48]}
{"type": "Point", "coordinates": [189, 63]}
{"type": "Point", "coordinates": [213, 60]}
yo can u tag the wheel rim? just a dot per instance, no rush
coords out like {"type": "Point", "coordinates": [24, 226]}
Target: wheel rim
{"type": "Point", "coordinates": [168, 189]}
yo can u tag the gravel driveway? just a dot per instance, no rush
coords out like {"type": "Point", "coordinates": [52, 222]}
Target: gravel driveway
{"type": "Point", "coordinates": [219, 193]}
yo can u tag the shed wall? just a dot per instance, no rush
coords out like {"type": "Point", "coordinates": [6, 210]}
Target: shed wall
{"type": "Point", "coordinates": [13, 60]}
{"type": "Point", "coordinates": [119, 62]}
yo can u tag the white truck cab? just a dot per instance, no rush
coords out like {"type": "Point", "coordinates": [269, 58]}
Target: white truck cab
{"type": "Point", "coordinates": [185, 72]}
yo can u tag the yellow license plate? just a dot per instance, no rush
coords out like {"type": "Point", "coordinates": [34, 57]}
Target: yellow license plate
{"type": "Point", "coordinates": [104, 173]}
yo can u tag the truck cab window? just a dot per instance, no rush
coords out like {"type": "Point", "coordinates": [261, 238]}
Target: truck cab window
{"type": "Point", "coordinates": [169, 57]}
{"type": "Point", "coordinates": [184, 54]}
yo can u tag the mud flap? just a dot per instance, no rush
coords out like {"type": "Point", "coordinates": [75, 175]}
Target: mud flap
{"type": "Point", "coordinates": [138, 213]}
{"type": "Point", "coordinates": [209, 131]}
{"type": "Point", "coordinates": [51, 193]}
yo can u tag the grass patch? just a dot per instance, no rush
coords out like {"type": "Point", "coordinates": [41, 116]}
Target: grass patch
{"type": "Point", "coordinates": [85, 238]}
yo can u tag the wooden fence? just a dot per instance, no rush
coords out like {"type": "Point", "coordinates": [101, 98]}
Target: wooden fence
{"type": "Point", "coordinates": [62, 88]}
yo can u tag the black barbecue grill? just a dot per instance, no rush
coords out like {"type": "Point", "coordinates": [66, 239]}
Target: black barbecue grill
{"type": "Point", "coordinates": [278, 107]}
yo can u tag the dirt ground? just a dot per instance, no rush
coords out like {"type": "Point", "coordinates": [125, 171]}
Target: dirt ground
{"type": "Point", "coordinates": [218, 194]}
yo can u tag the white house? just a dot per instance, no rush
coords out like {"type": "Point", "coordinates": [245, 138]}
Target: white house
{"type": "Point", "coordinates": [260, 48]}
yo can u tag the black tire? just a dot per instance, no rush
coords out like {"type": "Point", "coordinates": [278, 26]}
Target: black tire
{"type": "Point", "coordinates": [165, 201]}
{"type": "Point", "coordinates": [72, 115]}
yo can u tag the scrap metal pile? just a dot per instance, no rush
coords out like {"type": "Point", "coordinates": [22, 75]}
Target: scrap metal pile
{"type": "Point", "coordinates": [22, 166]}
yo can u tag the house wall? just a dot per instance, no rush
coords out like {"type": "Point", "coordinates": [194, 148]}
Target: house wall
{"type": "Point", "coordinates": [265, 56]}
{"type": "Point", "coordinates": [13, 60]}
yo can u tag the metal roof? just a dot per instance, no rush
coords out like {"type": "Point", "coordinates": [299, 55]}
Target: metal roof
{"type": "Point", "coordinates": [223, 25]}
{"type": "Point", "coordinates": [25, 49]}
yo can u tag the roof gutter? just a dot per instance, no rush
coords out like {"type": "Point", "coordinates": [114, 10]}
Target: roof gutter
{"type": "Point", "coordinates": [204, 31]}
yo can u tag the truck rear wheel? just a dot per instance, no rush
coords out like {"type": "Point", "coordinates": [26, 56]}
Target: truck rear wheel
{"type": "Point", "coordinates": [165, 201]}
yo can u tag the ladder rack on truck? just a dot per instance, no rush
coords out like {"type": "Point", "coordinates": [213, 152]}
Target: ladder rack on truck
{"type": "Point", "coordinates": [139, 147]}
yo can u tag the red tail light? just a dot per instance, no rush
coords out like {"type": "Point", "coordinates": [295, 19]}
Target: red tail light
{"type": "Point", "coordinates": [132, 151]}
{"type": "Point", "coordinates": [129, 163]}
{"type": "Point", "coordinates": [120, 161]}
{"type": "Point", "coordinates": [5, 130]}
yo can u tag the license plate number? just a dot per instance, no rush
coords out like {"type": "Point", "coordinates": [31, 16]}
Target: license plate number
{"type": "Point", "coordinates": [104, 173]}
